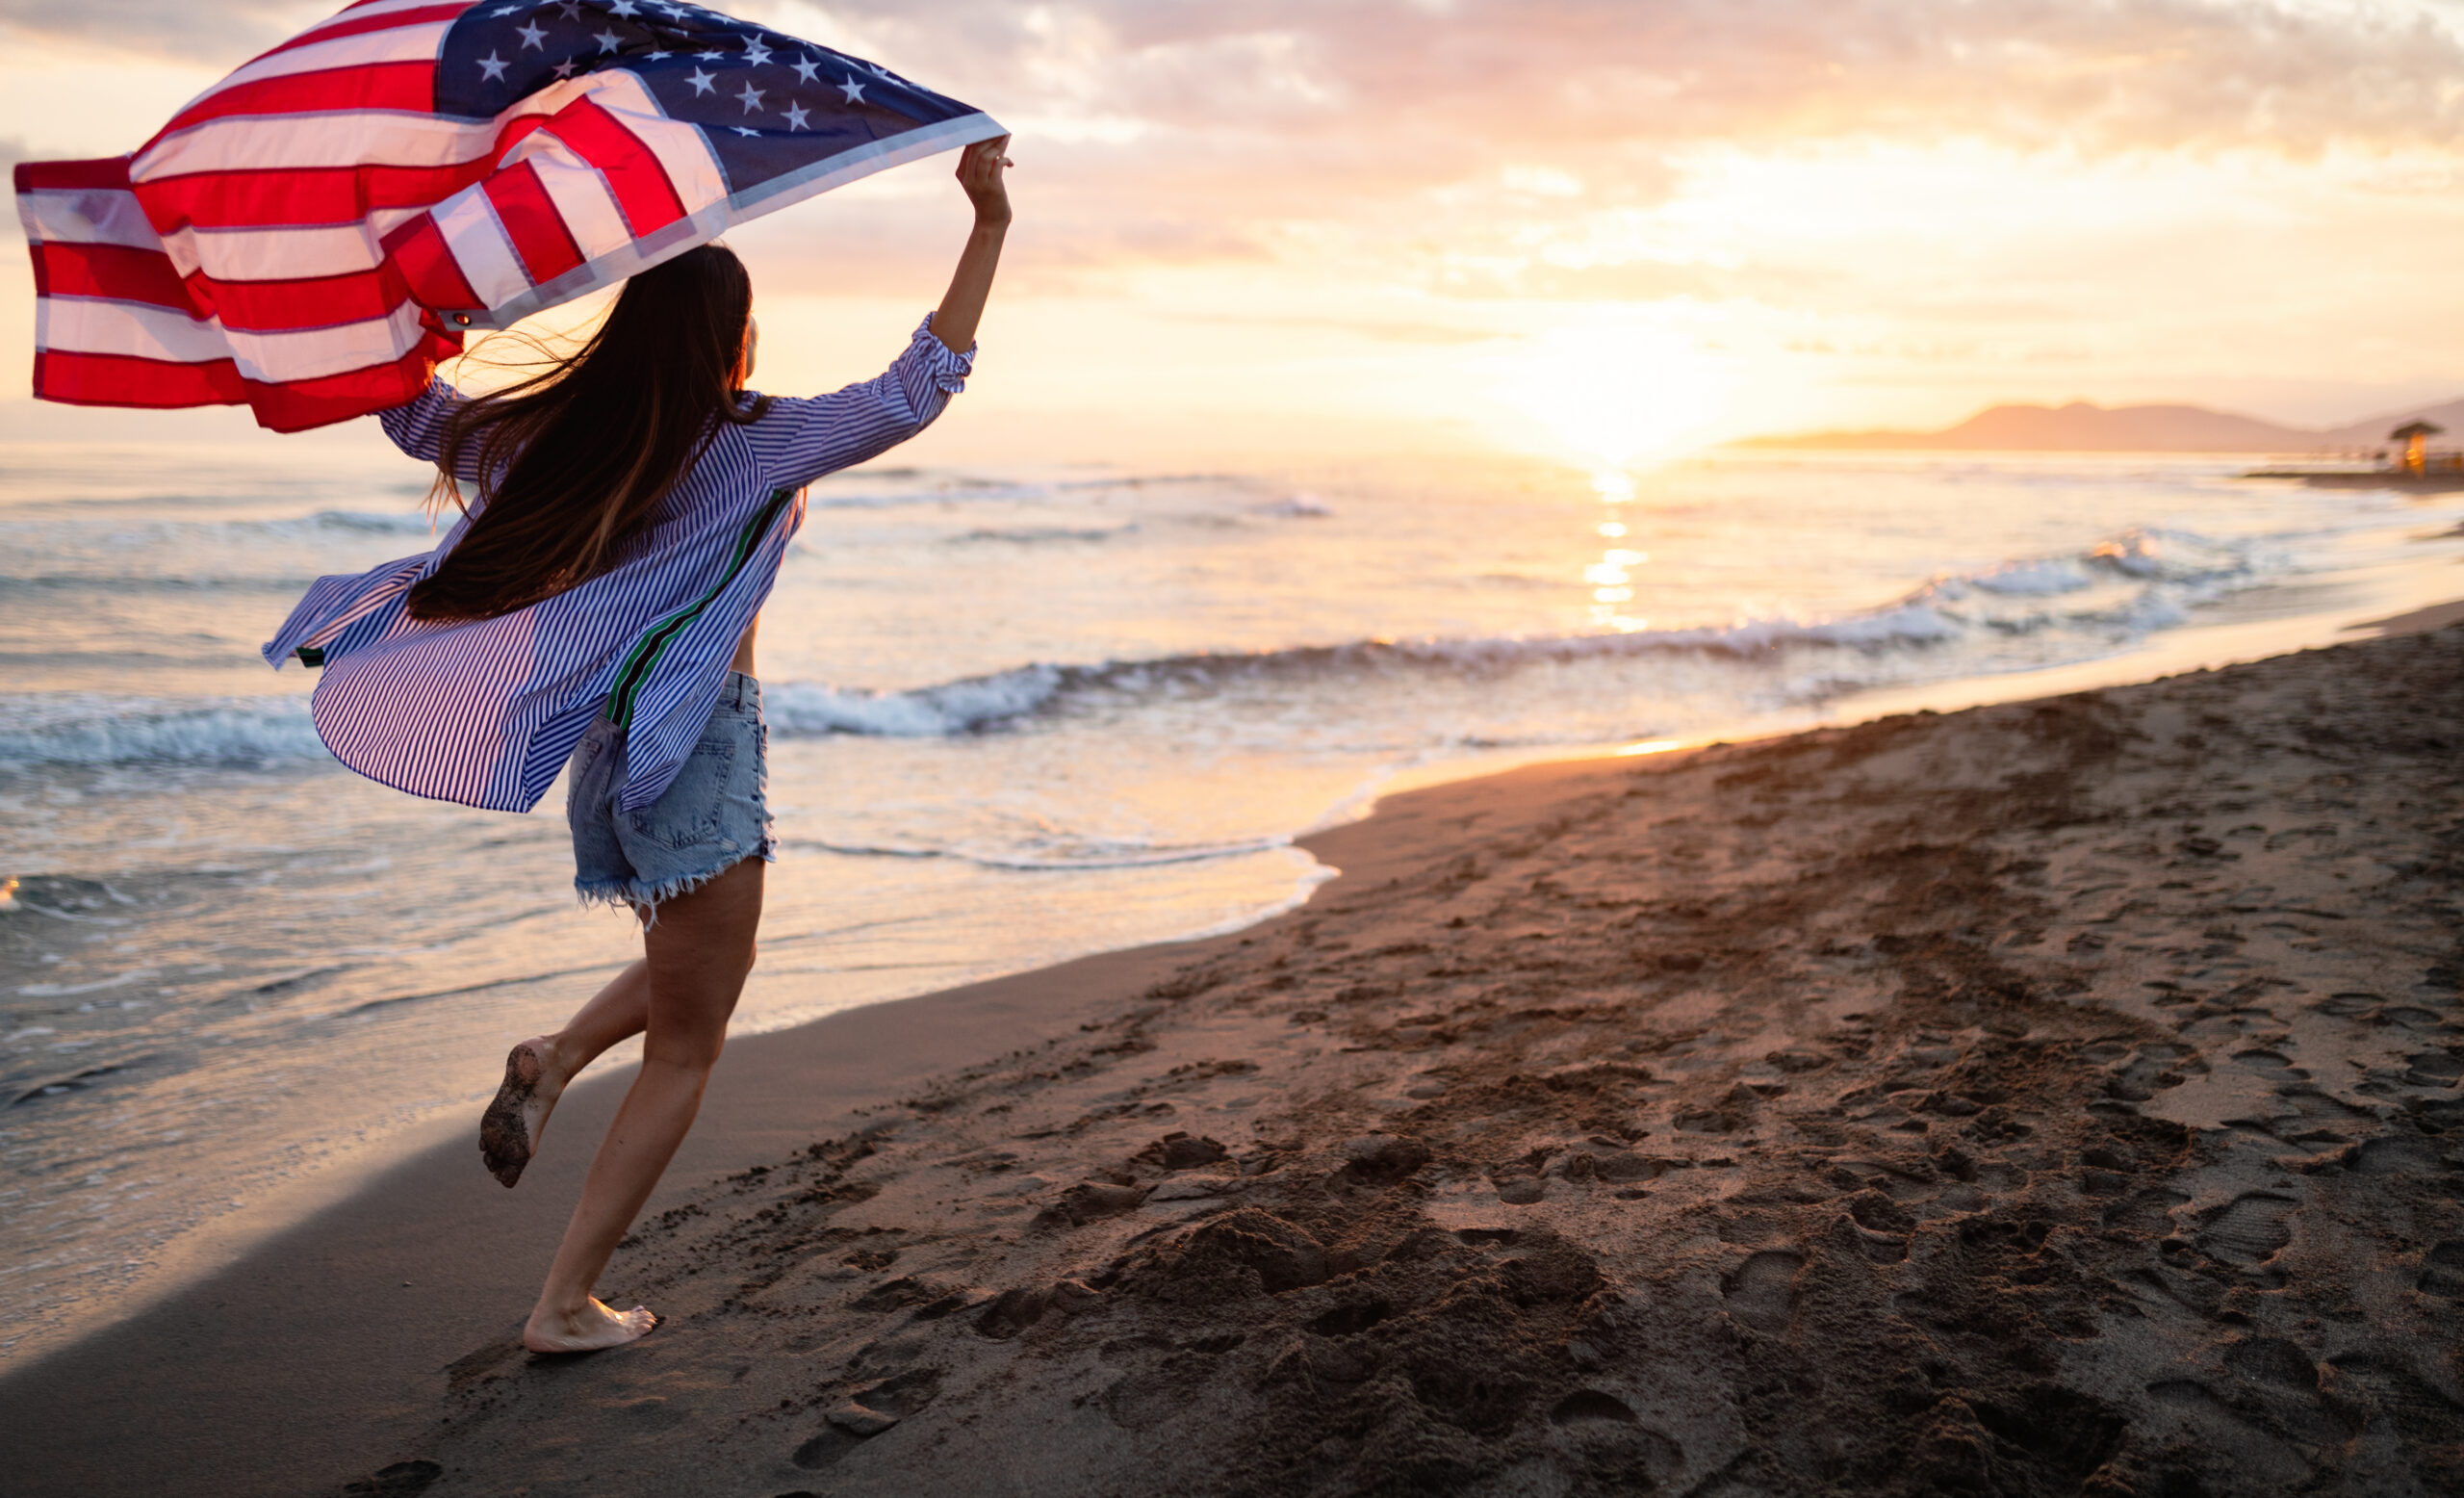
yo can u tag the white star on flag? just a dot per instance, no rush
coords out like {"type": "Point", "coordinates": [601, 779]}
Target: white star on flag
{"type": "Point", "coordinates": [740, 130]}
{"type": "Point", "coordinates": [755, 52]}
{"type": "Point", "coordinates": [571, 7]}
{"type": "Point", "coordinates": [623, 8]}
{"type": "Point", "coordinates": [533, 34]}
{"type": "Point", "coordinates": [491, 66]}
{"type": "Point", "coordinates": [608, 41]}
{"type": "Point", "coordinates": [854, 90]}
{"type": "Point", "coordinates": [796, 116]}
{"type": "Point", "coordinates": [751, 98]}
{"type": "Point", "coordinates": [809, 70]}
{"type": "Point", "coordinates": [701, 82]}
{"type": "Point", "coordinates": [565, 68]}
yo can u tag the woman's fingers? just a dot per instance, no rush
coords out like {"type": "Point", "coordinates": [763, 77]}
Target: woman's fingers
{"type": "Point", "coordinates": [984, 159]}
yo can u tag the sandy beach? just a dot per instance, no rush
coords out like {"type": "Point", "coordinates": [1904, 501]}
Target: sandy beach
{"type": "Point", "coordinates": [2052, 1097]}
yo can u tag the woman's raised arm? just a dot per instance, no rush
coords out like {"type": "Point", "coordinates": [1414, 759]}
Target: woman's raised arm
{"type": "Point", "coordinates": [962, 307]}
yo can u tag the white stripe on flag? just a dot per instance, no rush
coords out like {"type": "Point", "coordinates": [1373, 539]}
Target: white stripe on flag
{"type": "Point", "coordinates": [79, 325]}
{"type": "Point", "coordinates": [391, 138]}
{"type": "Point", "coordinates": [347, 138]}
{"type": "Point", "coordinates": [468, 220]}
{"type": "Point", "coordinates": [412, 44]}
{"type": "Point", "coordinates": [283, 254]}
{"type": "Point", "coordinates": [87, 216]}
{"type": "Point", "coordinates": [375, 8]}
{"type": "Point", "coordinates": [683, 152]}
{"type": "Point", "coordinates": [582, 195]}
{"type": "Point", "coordinates": [328, 351]}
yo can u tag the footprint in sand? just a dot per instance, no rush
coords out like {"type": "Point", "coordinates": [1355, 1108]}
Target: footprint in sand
{"type": "Point", "coordinates": [2265, 1461]}
{"type": "Point", "coordinates": [2273, 1361]}
{"type": "Point", "coordinates": [2393, 1154]}
{"type": "Point", "coordinates": [2247, 1230]}
{"type": "Point", "coordinates": [1762, 1292]}
{"type": "Point", "coordinates": [1609, 1441]}
{"type": "Point", "coordinates": [2435, 1069]}
{"type": "Point", "coordinates": [866, 1414]}
{"type": "Point", "coordinates": [402, 1479]}
{"type": "Point", "coordinates": [2443, 1270]}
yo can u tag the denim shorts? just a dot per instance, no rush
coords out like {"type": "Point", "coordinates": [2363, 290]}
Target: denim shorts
{"type": "Point", "coordinates": [711, 817]}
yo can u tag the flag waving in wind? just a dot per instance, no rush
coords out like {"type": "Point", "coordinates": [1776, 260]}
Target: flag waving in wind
{"type": "Point", "coordinates": [309, 233]}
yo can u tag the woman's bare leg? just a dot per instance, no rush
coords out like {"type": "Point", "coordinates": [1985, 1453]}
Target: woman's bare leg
{"type": "Point", "coordinates": [696, 958]}
{"type": "Point", "coordinates": [537, 1069]}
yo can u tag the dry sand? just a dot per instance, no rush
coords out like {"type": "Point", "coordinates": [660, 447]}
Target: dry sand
{"type": "Point", "coordinates": [2054, 1098]}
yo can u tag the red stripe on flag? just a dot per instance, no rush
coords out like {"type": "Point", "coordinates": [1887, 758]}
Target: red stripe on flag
{"type": "Point", "coordinates": [531, 221]}
{"type": "Point", "coordinates": [289, 306]}
{"type": "Point", "coordinates": [418, 254]}
{"type": "Point", "coordinates": [124, 379]}
{"type": "Point", "coordinates": [68, 176]}
{"type": "Point", "coordinates": [299, 195]}
{"type": "Point", "coordinates": [408, 87]}
{"type": "Point", "coordinates": [117, 272]}
{"type": "Point", "coordinates": [639, 182]}
{"type": "Point", "coordinates": [360, 25]}
{"type": "Point", "coordinates": [295, 406]}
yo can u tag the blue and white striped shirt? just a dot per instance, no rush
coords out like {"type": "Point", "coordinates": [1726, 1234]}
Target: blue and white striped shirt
{"type": "Point", "coordinates": [485, 711]}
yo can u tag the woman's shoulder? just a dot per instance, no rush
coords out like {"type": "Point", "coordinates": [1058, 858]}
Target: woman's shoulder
{"type": "Point", "coordinates": [727, 472]}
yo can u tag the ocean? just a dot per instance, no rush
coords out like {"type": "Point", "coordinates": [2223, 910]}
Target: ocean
{"type": "Point", "coordinates": [1016, 714]}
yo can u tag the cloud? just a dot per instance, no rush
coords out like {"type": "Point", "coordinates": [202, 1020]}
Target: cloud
{"type": "Point", "coordinates": [182, 28]}
{"type": "Point", "coordinates": [2097, 73]}
{"type": "Point", "coordinates": [1304, 126]}
{"type": "Point", "coordinates": [1308, 131]}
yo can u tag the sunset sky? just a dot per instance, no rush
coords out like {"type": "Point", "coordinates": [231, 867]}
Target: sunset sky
{"type": "Point", "coordinates": [1591, 228]}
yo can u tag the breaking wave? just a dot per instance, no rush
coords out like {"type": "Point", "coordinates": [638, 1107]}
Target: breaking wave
{"type": "Point", "coordinates": [2139, 583]}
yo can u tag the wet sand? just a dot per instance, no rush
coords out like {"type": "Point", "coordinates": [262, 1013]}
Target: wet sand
{"type": "Point", "coordinates": [2058, 1096]}
{"type": "Point", "coordinates": [2437, 616]}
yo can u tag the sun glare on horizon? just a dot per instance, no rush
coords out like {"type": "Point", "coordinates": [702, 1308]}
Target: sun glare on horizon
{"type": "Point", "coordinates": [1609, 396]}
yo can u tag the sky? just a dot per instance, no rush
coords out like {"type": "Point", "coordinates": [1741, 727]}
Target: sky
{"type": "Point", "coordinates": [1603, 230]}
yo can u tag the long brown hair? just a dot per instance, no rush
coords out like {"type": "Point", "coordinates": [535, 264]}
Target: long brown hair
{"type": "Point", "coordinates": [573, 460]}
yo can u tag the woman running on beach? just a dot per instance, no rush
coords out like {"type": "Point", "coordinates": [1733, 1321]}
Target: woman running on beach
{"type": "Point", "coordinates": [596, 602]}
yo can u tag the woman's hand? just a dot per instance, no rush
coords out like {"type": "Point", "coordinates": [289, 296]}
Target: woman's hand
{"type": "Point", "coordinates": [979, 168]}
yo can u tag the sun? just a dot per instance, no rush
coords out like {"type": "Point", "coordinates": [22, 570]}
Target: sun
{"type": "Point", "coordinates": [1610, 396]}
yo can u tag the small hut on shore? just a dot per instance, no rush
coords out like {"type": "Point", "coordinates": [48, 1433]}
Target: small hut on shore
{"type": "Point", "coordinates": [2415, 436]}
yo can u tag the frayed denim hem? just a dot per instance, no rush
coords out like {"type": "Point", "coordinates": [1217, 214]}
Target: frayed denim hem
{"type": "Point", "coordinates": [644, 901]}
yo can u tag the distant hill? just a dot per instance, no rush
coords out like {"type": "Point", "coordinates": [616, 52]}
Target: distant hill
{"type": "Point", "coordinates": [2083, 426]}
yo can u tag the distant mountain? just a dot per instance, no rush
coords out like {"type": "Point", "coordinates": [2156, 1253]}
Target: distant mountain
{"type": "Point", "coordinates": [2373, 433]}
{"type": "Point", "coordinates": [2082, 426]}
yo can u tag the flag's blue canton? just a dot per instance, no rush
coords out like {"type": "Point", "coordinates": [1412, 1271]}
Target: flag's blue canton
{"type": "Point", "coordinates": [768, 104]}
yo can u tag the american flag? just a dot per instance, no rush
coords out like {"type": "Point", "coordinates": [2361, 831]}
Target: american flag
{"type": "Point", "coordinates": [307, 233]}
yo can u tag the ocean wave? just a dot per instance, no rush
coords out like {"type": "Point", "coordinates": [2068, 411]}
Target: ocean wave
{"type": "Point", "coordinates": [88, 729]}
{"type": "Point", "coordinates": [2142, 581]}
{"type": "Point", "coordinates": [1081, 857]}
{"type": "Point", "coordinates": [978, 704]}
{"type": "Point", "coordinates": [377, 522]}
{"type": "Point", "coordinates": [1037, 535]}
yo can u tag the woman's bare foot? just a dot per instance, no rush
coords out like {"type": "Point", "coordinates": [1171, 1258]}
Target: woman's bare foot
{"type": "Point", "coordinates": [509, 1131]}
{"type": "Point", "coordinates": [586, 1330]}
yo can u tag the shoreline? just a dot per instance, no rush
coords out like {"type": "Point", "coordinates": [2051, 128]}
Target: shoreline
{"type": "Point", "coordinates": [214, 1367]}
{"type": "Point", "coordinates": [225, 1240]}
